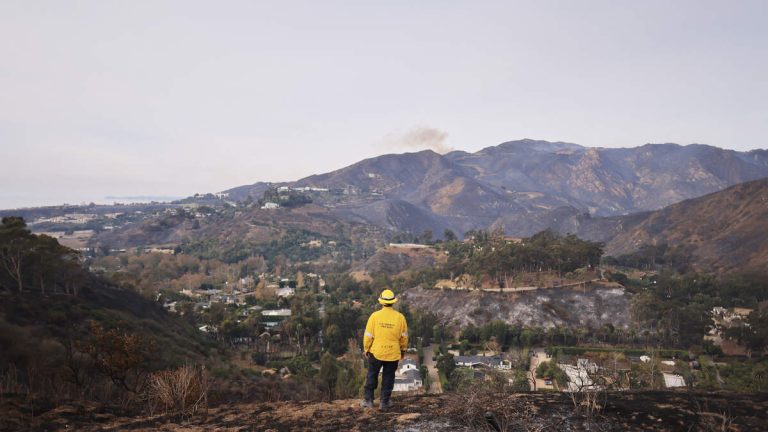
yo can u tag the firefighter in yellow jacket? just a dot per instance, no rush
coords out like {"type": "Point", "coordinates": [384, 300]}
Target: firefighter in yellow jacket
{"type": "Point", "coordinates": [384, 344]}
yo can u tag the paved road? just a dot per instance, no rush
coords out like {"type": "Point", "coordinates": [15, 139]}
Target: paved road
{"type": "Point", "coordinates": [434, 378]}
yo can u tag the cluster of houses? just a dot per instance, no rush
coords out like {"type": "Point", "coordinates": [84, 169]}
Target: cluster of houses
{"type": "Point", "coordinates": [162, 250]}
{"type": "Point", "coordinates": [270, 318]}
{"type": "Point", "coordinates": [581, 371]}
{"type": "Point", "coordinates": [302, 189]}
{"type": "Point", "coordinates": [235, 293]}
{"type": "Point", "coordinates": [190, 209]}
{"type": "Point", "coordinates": [70, 218]}
{"type": "Point", "coordinates": [723, 318]}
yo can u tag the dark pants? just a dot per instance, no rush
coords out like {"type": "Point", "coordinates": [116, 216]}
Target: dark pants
{"type": "Point", "coordinates": [387, 378]}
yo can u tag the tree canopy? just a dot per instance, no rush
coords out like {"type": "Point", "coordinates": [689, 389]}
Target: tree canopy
{"type": "Point", "coordinates": [28, 260]}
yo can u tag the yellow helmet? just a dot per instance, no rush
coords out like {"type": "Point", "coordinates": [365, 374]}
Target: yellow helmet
{"type": "Point", "coordinates": [387, 297]}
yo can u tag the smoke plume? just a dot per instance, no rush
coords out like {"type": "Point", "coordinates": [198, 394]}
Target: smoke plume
{"type": "Point", "coordinates": [419, 138]}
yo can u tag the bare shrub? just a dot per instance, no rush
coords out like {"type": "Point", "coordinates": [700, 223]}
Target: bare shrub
{"type": "Point", "coordinates": [589, 394]}
{"type": "Point", "coordinates": [10, 383]}
{"type": "Point", "coordinates": [490, 406]}
{"type": "Point", "coordinates": [182, 391]}
{"type": "Point", "coordinates": [714, 422]}
{"type": "Point", "coordinates": [121, 356]}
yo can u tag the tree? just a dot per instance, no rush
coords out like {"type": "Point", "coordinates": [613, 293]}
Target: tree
{"type": "Point", "coordinates": [25, 257]}
{"type": "Point", "coordinates": [341, 324]}
{"type": "Point", "coordinates": [334, 340]}
{"type": "Point", "coordinates": [527, 337]}
{"type": "Point", "coordinates": [427, 236]}
{"type": "Point", "coordinates": [446, 365]}
{"type": "Point", "coordinates": [755, 334]}
{"type": "Point", "coordinates": [55, 262]}
{"type": "Point", "coordinates": [449, 235]}
{"type": "Point", "coordinates": [15, 244]}
{"type": "Point", "coordinates": [299, 365]}
{"type": "Point", "coordinates": [550, 369]}
{"type": "Point", "coordinates": [349, 379]}
{"type": "Point", "coordinates": [329, 372]}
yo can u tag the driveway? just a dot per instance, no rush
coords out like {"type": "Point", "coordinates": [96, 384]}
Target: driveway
{"type": "Point", "coordinates": [434, 378]}
{"type": "Point", "coordinates": [538, 356]}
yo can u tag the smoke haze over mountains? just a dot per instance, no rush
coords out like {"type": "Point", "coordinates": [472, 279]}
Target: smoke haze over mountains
{"type": "Point", "coordinates": [416, 139]}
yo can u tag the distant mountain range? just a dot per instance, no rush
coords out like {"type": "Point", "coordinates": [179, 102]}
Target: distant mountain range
{"type": "Point", "coordinates": [522, 186]}
{"type": "Point", "coordinates": [709, 202]}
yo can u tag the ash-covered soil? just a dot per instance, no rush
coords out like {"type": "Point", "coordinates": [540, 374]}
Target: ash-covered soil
{"type": "Point", "coordinates": [642, 411]}
{"type": "Point", "coordinates": [542, 308]}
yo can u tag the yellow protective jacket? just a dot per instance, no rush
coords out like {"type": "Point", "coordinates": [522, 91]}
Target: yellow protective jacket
{"type": "Point", "coordinates": [386, 334]}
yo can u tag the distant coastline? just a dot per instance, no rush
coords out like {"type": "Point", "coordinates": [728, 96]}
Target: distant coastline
{"type": "Point", "coordinates": [18, 203]}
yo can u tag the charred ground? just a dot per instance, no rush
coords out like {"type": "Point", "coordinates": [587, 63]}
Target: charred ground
{"type": "Point", "coordinates": [627, 411]}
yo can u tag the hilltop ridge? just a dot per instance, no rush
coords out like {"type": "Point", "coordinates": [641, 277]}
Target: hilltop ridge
{"type": "Point", "coordinates": [519, 182]}
{"type": "Point", "coordinates": [723, 231]}
{"type": "Point", "coordinates": [639, 411]}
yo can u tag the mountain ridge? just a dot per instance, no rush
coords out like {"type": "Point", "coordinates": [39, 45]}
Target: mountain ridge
{"type": "Point", "coordinates": [517, 183]}
{"type": "Point", "coordinates": [724, 231]}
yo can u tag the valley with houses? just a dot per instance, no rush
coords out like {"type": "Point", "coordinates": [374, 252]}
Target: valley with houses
{"type": "Point", "coordinates": [544, 283]}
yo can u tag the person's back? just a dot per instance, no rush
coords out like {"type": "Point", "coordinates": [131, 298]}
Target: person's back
{"type": "Point", "coordinates": [387, 327]}
{"type": "Point", "coordinates": [384, 344]}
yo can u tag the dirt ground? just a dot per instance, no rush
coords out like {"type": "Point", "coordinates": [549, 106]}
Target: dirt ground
{"type": "Point", "coordinates": [659, 411]}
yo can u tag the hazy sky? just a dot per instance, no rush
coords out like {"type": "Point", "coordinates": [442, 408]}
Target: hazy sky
{"type": "Point", "coordinates": [119, 98]}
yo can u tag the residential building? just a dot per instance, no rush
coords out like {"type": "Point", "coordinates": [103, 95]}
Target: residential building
{"type": "Point", "coordinates": [579, 378]}
{"type": "Point", "coordinates": [273, 317]}
{"type": "Point", "coordinates": [285, 292]}
{"type": "Point", "coordinates": [408, 364]}
{"type": "Point", "coordinates": [208, 329]}
{"type": "Point", "coordinates": [407, 381]}
{"type": "Point", "coordinates": [493, 362]}
{"type": "Point", "coordinates": [673, 380]}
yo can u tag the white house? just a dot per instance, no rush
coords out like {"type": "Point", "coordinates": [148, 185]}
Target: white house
{"type": "Point", "coordinates": [280, 313]}
{"type": "Point", "coordinates": [273, 317]}
{"type": "Point", "coordinates": [407, 381]}
{"type": "Point", "coordinates": [208, 329]}
{"type": "Point", "coordinates": [408, 364]}
{"type": "Point", "coordinates": [285, 292]}
{"type": "Point", "coordinates": [495, 362]}
{"type": "Point", "coordinates": [673, 380]}
{"type": "Point", "coordinates": [579, 378]}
